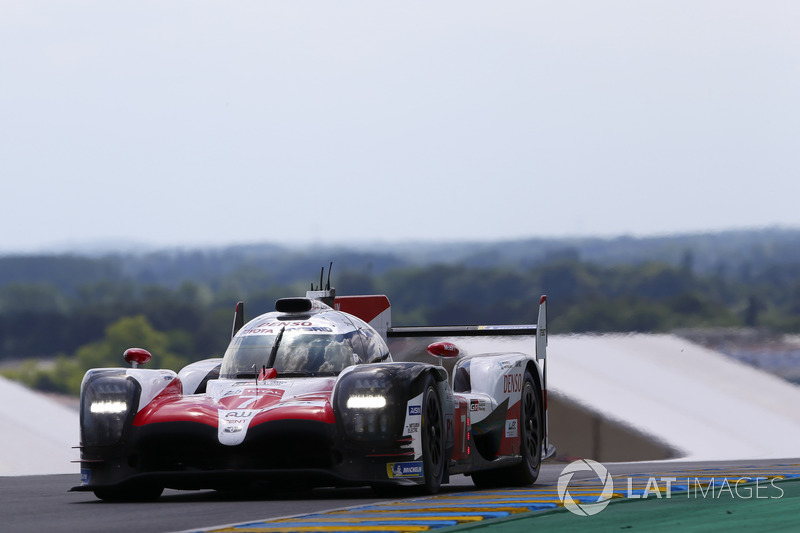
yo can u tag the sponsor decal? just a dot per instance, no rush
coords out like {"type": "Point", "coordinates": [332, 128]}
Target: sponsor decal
{"type": "Point", "coordinates": [276, 383]}
{"type": "Point", "coordinates": [268, 383]}
{"type": "Point", "coordinates": [233, 425]}
{"type": "Point", "coordinates": [270, 331]}
{"type": "Point", "coordinates": [505, 365]}
{"type": "Point", "coordinates": [512, 383]}
{"type": "Point", "coordinates": [411, 424]}
{"type": "Point", "coordinates": [239, 416]}
{"type": "Point", "coordinates": [86, 476]}
{"type": "Point", "coordinates": [512, 428]}
{"type": "Point", "coordinates": [477, 405]}
{"type": "Point", "coordinates": [404, 470]}
{"type": "Point", "coordinates": [273, 324]}
{"type": "Point", "coordinates": [273, 327]}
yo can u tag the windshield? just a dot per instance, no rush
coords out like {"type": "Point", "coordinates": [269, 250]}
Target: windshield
{"type": "Point", "coordinates": [299, 353]}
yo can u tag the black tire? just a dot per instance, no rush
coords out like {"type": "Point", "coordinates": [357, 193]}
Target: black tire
{"type": "Point", "coordinates": [432, 427]}
{"type": "Point", "coordinates": [130, 494]}
{"type": "Point", "coordinates": [531, 427]}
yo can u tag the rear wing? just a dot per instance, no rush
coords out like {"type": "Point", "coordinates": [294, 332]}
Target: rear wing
{"type": "Point", "coordinates": [538, 330]}
{"type": "Point", "coordinates": [461, 331]}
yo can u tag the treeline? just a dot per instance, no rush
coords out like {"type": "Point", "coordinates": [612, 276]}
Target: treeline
{"type": "Point", "coordinates": [733, 255]}
{"type": "Point", "coordinates": [77, 312]}
{"type": "Point", "coordinates": [42, 320]}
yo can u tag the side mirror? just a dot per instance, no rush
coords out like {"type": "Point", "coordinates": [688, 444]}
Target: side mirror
{"type": "Point", "coordinates": [136, 356]}
{"type": "Point", "coordinates": [443, 349]}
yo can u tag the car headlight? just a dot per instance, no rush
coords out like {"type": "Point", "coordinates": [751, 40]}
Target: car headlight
{"type": "Point", "coordinates": [366, 401]}
{"type": "Point", "coordinates": [107, 401]}
{"type": "Point", "coordinates": [365, 404]}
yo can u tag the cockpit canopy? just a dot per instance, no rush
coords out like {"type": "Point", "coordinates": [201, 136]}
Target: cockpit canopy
{"type": "Point", "coordinates": [321, 344]}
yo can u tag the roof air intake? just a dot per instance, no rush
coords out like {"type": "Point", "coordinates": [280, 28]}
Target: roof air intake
{"type": "Point", "coordinates": [294, 305]}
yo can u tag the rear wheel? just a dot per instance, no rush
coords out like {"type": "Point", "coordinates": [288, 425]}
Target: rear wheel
{"type": "Point", "coordinates": [432, 427]}
{"type": "Point", "coordinates": [531, 427]}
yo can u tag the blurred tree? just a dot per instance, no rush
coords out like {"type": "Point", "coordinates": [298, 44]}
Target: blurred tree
{"type": "Point", "coordinates": [131, 332]}
{"type": "Point", "coordinates": [66, 373]}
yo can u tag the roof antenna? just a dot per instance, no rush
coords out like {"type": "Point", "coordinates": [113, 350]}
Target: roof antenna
{"type": "Point", "coordinates": [326, 295]}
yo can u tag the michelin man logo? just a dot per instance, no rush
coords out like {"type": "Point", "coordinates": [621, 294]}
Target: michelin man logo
{"type": "Point", "coordinates": [585, 509]}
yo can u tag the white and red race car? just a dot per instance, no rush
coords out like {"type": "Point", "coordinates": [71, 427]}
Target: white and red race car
{"type": "Point", "coordinates": [311, 393]}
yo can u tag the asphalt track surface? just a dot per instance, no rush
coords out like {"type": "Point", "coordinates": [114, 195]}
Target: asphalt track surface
{"type": "Point", "coordinates": [43, 503]}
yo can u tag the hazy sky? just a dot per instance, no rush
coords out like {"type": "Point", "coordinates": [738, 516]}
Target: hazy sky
{"type": "Point", "coordinates": [208, 122]}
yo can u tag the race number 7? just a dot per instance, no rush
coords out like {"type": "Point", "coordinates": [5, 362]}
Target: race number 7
{"type": "Point", "coordinates": [248, 401]}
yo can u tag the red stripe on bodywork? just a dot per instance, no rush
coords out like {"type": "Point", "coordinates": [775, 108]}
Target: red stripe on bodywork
{"type": "Point", "coordinates": [203, 409]}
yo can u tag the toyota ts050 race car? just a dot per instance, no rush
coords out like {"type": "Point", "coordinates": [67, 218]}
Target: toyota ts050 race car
{"type": "Point", "coordinates": [311, 393]}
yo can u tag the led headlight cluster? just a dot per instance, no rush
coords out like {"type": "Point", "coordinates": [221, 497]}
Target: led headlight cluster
{"type": "Point", "coordinates": [366, 401]}
{"type": "Point", "coordinates": [106, 404]}
{"type": "Point", "coordinates": [108, 407]}
{"type": "Point", "coordinates": [365, 405]}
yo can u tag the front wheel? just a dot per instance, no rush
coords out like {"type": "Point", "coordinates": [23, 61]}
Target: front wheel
{"type": "Point", "coordinates": [432, 427]}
